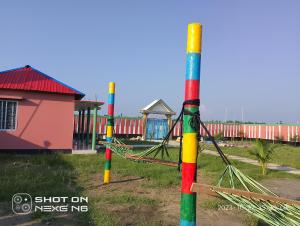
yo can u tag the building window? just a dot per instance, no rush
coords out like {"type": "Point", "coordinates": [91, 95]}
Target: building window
{"type": "Point", "coordinates": [8, 112]}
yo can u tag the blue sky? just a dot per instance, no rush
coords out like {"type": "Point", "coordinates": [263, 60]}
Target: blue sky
{"type": "Point", "coordinates": [250, 56]}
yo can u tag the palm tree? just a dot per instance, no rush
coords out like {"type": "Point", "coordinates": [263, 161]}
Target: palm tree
{"type": "Point", "coordinates": [262, 151]}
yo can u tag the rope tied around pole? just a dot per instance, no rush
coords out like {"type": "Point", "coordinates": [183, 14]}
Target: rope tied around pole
{"type": "Point", "coordinates": [195, 122]}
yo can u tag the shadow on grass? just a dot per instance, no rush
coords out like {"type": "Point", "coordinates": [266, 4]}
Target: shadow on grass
{"type": "Point", "coordinates": [43, 175]}
{"type": "Point", "coordinates": [127, 180]}
{"type": "Point", "coordinates": [114, 182]}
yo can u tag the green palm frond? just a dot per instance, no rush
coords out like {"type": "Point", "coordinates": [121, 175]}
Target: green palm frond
{"type": "Point", "coordinates": [263, 151]}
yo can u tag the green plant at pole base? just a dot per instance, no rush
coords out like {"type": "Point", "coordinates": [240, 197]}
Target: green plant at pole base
{"type": "Point", "coordinates": [263, 151]}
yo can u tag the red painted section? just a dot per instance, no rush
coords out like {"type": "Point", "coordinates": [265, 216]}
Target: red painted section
{"type": "Point", "coordinates": [107, 154]}
{"type": "Point", "coordinates": [188, 172]}
{"type": "Point", "coordinates": [30, 79]}
{"type": "Point", "coordinates": [110, 109]}
{"type": "Point", "coordinates": [192, 89]}
{"type": "Point", "coordinates": [44, 121]}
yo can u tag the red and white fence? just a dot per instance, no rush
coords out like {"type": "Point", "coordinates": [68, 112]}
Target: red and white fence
{"type": "Point", "coordinates": [123, 126]}
{"type": "Point", "coordinates": [134, 126]}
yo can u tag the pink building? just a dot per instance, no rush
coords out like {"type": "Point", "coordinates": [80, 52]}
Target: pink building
{"type": "Point", "coordinates": [36, 111]}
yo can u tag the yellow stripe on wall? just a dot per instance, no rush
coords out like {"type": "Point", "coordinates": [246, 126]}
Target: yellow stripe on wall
{"type": "Point", "coordinates": [189, 148]}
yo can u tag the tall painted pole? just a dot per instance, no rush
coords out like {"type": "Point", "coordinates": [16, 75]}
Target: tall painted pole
{"type": "Point", "coordinates": [109, 130]}
{"type": "Point", "coordinates": [190, 140]}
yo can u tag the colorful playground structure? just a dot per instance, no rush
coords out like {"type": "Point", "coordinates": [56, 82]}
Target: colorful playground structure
{"type": "Point", "coordinates": [243, 191]}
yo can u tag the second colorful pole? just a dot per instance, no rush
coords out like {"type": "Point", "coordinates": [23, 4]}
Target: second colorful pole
{"type": "Point", "coordinates": [109, 131]}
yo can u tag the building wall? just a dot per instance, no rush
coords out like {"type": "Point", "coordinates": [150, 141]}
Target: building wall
{"type": "Point", "coordinates": [44, 121]}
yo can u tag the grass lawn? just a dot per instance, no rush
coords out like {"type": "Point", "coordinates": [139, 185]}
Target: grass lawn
{"type": "Point", "coordinates": [81, 175]}
{"type": "Point", "coordinates": [283, 154]}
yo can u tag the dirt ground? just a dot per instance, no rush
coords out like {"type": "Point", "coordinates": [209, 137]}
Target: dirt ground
{"type": "Point", "coordinates": [167, 211]}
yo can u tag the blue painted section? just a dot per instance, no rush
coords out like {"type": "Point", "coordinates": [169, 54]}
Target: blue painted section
{"type": "Point", "coordinates": [187, 223]}
{"type": "Point", "coordinates": [157, 129]}
{"type": "Point", "coordinates": [193, 66]}
{"type": "Point", "coordinates": [109, 139]}
{"type": "Point", "coordinates": [111, 98]}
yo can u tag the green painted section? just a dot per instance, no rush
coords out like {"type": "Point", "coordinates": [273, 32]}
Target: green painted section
{"type": "Point", "coordinates": [94, 129]}
{"type": "Point", "coordinates": [186, 120]}
{"type": "Point", "coordinates": [107, 165]}
{"type": "Point", "coordinates": [110, 121]}
{"type": "Point", "coordinates": [188, 207]}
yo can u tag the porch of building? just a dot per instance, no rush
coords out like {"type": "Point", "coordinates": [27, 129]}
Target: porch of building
{"type": "Point", "coordinates": [85, 122]}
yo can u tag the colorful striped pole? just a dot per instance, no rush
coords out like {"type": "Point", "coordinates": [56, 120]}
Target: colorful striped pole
{"type": "Point", "coordinates": [190, 140]}
{"type": "Point", "coordinates": [109, 131]}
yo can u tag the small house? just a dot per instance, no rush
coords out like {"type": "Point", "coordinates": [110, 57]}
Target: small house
{"type": "Point", "coordinates": [36, 111]}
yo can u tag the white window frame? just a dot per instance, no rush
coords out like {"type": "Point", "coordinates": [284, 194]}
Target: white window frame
{"type": "Point", "coordinates": [16, 119]}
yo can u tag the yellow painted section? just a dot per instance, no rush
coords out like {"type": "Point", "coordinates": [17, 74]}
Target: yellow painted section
{"type": "Point", "coordinates": [189, 148]}
{"type": "Point", "coordinates": [109, 131]}
{"type": "Point", "coordinates": [111, 87]}
{"type": "Point", "coordinates": [194, 38]}
{"type": "Point", "coordinates": [106, 176]}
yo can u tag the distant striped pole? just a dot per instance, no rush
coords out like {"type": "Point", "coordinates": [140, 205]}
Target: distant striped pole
{"type": "Point", "coordinates": [109, 130]}
{"type": "Point", "coordinates": [190, 141]}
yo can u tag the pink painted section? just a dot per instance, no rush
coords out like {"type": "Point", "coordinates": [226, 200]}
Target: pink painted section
{"type": "Point", "coordinates": [44, 121]}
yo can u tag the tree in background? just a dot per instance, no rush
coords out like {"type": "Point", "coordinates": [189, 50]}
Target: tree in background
{"type": "Point", "coordinates": [263, 151]}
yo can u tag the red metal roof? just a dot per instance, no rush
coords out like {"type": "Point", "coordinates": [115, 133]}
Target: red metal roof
{"type": "Point", "coordinates": [30, 79]}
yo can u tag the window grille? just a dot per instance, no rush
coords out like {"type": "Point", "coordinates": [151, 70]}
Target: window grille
{"type": "Point", "coordinates": [8, 112]}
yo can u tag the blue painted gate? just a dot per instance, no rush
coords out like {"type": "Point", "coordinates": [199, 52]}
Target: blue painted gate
{"type": "Point", "coordinates": [157, 129]}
